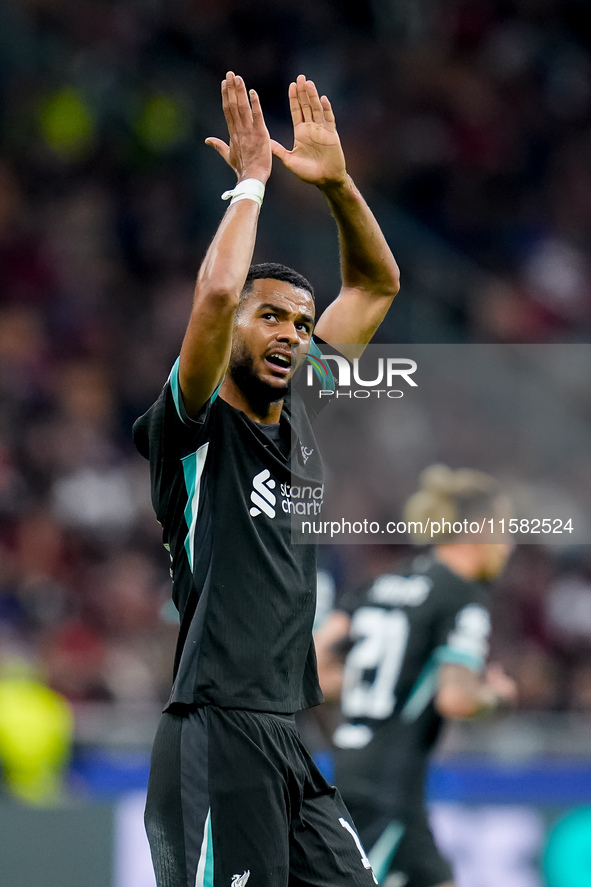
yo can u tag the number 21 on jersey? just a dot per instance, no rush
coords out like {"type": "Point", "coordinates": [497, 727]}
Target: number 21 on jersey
{"type": "Point", "coordinates": [373, 665]}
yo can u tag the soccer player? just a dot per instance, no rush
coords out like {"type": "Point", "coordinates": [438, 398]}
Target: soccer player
{"type": "Point", "coordinates": [232, 794]}
{"type": "Point", "coordinates": [417, 641]}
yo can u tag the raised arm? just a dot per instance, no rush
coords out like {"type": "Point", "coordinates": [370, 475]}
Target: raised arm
{"type": "Point", "coordinates": [369, 273]}
{"type": "Point", "coordinates": [205, 351]}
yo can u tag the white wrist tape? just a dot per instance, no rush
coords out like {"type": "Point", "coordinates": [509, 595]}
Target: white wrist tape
{"type": "Point", "coordinates": [249, 189]}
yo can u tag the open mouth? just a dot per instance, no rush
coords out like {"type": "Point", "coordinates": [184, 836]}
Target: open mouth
{"type": "Point", "coordinates": [280, 361]}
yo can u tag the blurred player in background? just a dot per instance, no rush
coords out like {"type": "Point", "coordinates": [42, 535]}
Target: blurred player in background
{"type": "Point", "coordinates": [232, 794]}
{"type": "Point", "coordinates": [403, 654]}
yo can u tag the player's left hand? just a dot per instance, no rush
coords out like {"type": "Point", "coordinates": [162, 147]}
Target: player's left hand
{"type": "Point", "coordinates": [317, 156]}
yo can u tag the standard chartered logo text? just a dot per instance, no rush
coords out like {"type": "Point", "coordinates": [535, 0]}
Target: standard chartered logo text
{"type": "Point", "coordinates": [302, 500]}
{"type": "Point", "coordinates": [305, 500]}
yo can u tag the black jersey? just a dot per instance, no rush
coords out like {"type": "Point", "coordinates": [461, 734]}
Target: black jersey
{"type": "Point", "coordinates": [403, 627]}
{"type": "Point", "coordinates": [224, 490]}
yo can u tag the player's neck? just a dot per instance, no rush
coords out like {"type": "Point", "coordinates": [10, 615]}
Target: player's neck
{"type": "Point", "coordinates": [261, 411]}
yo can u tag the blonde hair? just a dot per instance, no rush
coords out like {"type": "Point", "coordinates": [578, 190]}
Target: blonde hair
{"type": "Point", "coordinates": [445, 495]}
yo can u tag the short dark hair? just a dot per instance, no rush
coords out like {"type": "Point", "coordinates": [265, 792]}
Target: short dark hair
{"type": "Point", "coordinates": [275, 271]}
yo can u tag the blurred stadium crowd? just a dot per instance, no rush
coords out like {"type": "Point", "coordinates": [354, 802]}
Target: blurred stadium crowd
{"type": "Point", "coordinates": [471, 120]}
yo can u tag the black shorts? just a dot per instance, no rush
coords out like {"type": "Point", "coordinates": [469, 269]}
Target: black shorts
{"type": "Point", "coordinates": [402, 851]}
{"type": "Point", "coordinates": [233, 795]}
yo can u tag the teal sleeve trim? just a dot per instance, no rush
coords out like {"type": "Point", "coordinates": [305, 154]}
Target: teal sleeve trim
{"type": "Point", "coordinates": [217, 391]}
{"type": "Point", "coordinates": [449, 655]}
{"type": "Point", "coordinates": [314, 349]}
{"type": "Point", "coordinates": [321, 367]}
{"type": "Point", "coordinates": [177, 396]}
{"type": "Point", "coordinates": [175, 388]}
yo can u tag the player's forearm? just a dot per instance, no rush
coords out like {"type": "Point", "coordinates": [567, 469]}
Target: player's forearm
{"type": "Point", "coordinates": [466, 701]}
{"type": "Point", "coordinates": [225, 266]}
{"type": "Point", "coordinates": [205, 351]}
{"type": "Point", "coordinates": [366, 259]}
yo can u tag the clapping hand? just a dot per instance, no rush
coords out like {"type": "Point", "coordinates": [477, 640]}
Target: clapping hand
{"type": "Point", "coordinates": [317, 156]}
{"type": "Point", "coordinates": [249, 151]}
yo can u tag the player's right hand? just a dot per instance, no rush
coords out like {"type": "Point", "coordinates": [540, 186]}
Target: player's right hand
{"type": "Point", "coordinates": [249, 152]}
